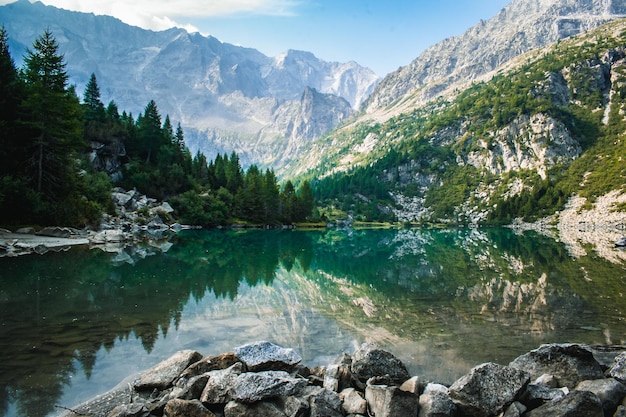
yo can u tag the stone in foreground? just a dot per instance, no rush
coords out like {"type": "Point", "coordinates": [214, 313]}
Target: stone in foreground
{"type": "Point", "coordinates": [488, 389]}
{"type": "Point", "coordinates": [266, 356]}
{"type": "Point", "coordinates": [369, 361]}
{"type": "Point", "coordinates": [569, 363]}
{"type": "Point", "coordinates": [163, 374]}
{"type": "Point", "coordinates": [576, 404]}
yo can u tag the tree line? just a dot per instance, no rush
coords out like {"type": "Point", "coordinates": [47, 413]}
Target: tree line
{"type": "Point", "coordinates": [60, 157]}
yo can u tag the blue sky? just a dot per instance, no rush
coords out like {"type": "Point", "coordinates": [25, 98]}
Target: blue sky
{"type": "Point", "coordinates": [380, 34]}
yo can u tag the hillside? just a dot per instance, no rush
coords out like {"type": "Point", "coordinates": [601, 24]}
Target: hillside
{"type": "Point", "coordinates": [519, 145]}
{"type": "Point", "coordinates": [227, 97]}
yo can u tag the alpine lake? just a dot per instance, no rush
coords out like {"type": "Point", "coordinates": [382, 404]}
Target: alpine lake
{"type": "Point", "coordinates": [74, 324]}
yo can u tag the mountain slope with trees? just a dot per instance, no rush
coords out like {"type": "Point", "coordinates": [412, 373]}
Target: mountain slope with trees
{"type": "Point", "coordinates": [60, 156]}
{"type": "Point", "coordinates": [518, 145]}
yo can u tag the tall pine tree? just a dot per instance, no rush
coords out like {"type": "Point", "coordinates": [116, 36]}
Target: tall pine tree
{"type": "Point", "coordinates": [52, 119]}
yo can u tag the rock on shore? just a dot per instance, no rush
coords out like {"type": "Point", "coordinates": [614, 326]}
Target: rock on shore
{"type": "Point", "coordinates": [265, 380]}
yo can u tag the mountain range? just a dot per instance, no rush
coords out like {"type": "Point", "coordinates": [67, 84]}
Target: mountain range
{"type": "Point", "coordinates": [226, 97]}
{"type": "Point", "coordinates": [517, 116]}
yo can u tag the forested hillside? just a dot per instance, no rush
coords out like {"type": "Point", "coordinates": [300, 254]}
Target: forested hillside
{"type": "Point", "coordinates": [549, 127]}
{"type": "Point", "coordinates": [60, 157]}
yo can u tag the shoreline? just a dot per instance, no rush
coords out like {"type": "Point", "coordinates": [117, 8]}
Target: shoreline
{"type": "Point", "coordinates": [263, 379]}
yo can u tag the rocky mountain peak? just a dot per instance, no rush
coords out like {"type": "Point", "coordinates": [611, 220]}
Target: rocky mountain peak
{"type": "Point", "coordinates": [521, 26]}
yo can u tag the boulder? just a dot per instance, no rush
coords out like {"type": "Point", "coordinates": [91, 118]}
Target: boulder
{"type": "Point", "coordinates": [539, 394]}
{"type": "Point", "coordinates": [369, 361]}
{"type": "Point", "coordinates": [323, 402]}
{"type": "Point", "coordinates": [352, 402]}
{"type": "Point", "coordinates": [390, 401]}
{"type": "Point", "coordinates": [186, 408]}
{"type": "Point", "coordinates": [163, 374]}
{"type": "Point", "coordinates": [266, 356]}
{"type": "Point", "coordinates": [609, 391]}
{"type": "Point", "coordinates": [250, 387]}
{"type": "Point", "coordinates": [436, 402]}
{"type": "Point", "coordinates": [569, 363]}
{"type": "Point", "coordinates": [210, 363]}
{"type": "Point", "coordinates": [620, 412]}
{"type": "Point", "coordinates": [108, 236]}
{"type": "Point", "coordinates": [337, 377]}
{"type": "Point", "coordinates": [25, 231]}
{"type": "Point", "coordinates": [618, 368]}
{"type": "Point", "coordinates": [260, 409]}
{"type": "Point", "coordinates": [488, 389]}
{"type": "Point", "coordinates": [217, 389]}
{"type": "Point", "coordinates": [575, 404]}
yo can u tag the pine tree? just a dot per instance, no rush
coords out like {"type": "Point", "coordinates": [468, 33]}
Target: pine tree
{"type": "Point", "coordinates": [94, 108]}
{"type": "Point", "coordinates": [150, 135]}
{"type": "Point", "coordinates": [51, 113]}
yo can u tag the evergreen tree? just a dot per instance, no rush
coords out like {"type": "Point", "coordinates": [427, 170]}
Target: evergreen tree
{"type": "Point", "coordinates": [305, 202]}
{"type": "Point", "coordinates": [94, 108]}
{"type": "Point", "coordinates": [150, 135]}
{"type": "Point", "coordinates": [51, 113]}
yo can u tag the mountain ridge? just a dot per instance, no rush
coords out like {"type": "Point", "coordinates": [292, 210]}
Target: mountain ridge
{"type": "Point", "coordinates": [226, 97]}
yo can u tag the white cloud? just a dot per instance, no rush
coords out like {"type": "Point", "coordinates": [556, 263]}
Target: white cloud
{"type": "Point", "coordinates": [162, 14]}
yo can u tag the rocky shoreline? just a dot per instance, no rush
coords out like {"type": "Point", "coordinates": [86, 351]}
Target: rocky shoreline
{"type": "Point", "coordinates": [265, 380]}
{"type": "Point", "coordinates": [137, 219]}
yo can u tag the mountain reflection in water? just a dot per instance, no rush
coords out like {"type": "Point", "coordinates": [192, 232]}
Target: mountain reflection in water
{"type": "Point", "coordinates": [74, 324]}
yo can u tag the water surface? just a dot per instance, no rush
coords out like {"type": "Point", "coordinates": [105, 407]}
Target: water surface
{"type": "Point", "coordinates": [74, 324]}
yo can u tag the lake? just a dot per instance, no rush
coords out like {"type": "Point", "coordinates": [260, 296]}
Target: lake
{"type": "Point", "coordinates": [74, 324]}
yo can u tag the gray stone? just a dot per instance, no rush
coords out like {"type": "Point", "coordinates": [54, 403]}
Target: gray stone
{"type": "Point", "coordinates": [488, 389]}
{"type": "Point", "coordinates": [352, 402]}
{"type": "Point", "coordinates": [569, 363]}
{"type": "Point", "coordinates": [258, 386]}
{"type": "Point", "coordinates": [369, 361]}
{"type": "Point", "coordinates": [609, 391]}
{"type": "Point", "coordinates": [576, 404]}
{"type": "Point", "coordinates": [536, 395]}
{"type": "Point", "coordinates": [389, 401]}
{"type": "Point", "coordinates": [436, 402]}
{"type": "Point", "coordinates": [259, 409]}
{"type": "Point", "coordinates": [323, 403]}
{"type": "Point", "coordinates": [186, 408]}
{"type": "Point", "coordinates": [163, 374]}
{"type": "Point", "coordinates": [25, 231]}
{"type": "Point", "coordinates": [337, 377]}
{"type": "Point", "coordinates": [266, 356]}
{"type": "Point", "coordinates": [188, 389]}
{"type": "Point", "coordinates": [618, 368]}
{"type": "Point", "coordinates": [217, 389]}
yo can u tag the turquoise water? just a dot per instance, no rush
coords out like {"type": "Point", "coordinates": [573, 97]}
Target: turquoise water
{"type": "Point", "coordinates": [74, 324]}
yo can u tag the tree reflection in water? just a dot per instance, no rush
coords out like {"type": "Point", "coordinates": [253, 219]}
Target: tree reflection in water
{"type": "Point", "coordinates": [443, 300]}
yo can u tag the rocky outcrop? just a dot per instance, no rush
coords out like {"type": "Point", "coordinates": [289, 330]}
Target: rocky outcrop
{"type": "Point", "coordinates": [188, 384]}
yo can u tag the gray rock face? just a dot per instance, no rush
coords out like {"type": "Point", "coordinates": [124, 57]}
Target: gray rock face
{"type": "Point", "coordinates": [539, 394]}
{"type": "Point", "coordinates": [569, 363]}
{"type": "Point", "coordinates": [324, 403]}
{"type": "Point", "coordinates": [369, 361]}
{"type": "Point", "coordinates": [250, 387]}
{"type": "Point", "coordinates": [609, 391]}
{"type": "Point", "coordinates": [267, 356]}
{"type": "Point", "coordinates": [487, 389]}
{"type": "Point", "coordinates": [576, 404]}
{"type": "Point", "coordinates": [163, 374]}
